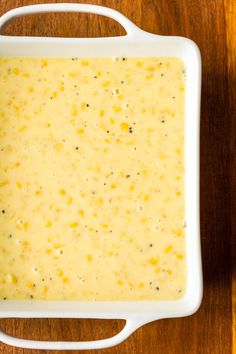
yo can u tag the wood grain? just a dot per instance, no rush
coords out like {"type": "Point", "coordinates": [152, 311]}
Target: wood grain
{"type": "Point", "coordinates": [231, 45]}
{"type": "Point", "coordinates": [212, 24]}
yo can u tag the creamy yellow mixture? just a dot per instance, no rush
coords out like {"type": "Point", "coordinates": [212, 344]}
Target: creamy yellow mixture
{"type": "Point", "coordinates": [92, 179]}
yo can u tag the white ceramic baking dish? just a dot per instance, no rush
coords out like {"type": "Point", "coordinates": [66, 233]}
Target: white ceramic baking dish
{"type": "Point", "coordinates": [136, 43]}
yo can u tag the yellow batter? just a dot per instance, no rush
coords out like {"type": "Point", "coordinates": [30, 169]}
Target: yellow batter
{"type": "Point", "coordinates": [92, 179]}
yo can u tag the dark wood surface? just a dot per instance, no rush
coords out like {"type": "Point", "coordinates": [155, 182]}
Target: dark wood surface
{"type": "Point", "coordinates": [212, 24]}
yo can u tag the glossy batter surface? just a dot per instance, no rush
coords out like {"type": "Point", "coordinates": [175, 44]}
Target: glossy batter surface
{"type": "Point", "coordinates": [92, 179]}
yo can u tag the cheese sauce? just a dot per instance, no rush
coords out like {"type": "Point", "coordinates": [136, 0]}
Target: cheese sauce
{"type": "Point", "coordinates": [92, 179]}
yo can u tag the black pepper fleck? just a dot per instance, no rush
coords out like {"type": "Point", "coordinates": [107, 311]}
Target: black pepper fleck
{"type": "Point", "coordinates": [157, 288]}
{"type": "Point", "coordinates": [3, 211]}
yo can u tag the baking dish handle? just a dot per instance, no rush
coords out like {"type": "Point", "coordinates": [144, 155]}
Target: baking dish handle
{"type": "Point", "coordinates": [131, 326]}
{"type": "Point", "coordinates": [131, 29]}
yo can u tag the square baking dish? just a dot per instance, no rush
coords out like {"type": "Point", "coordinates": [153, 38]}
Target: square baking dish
{"type": "Point", "coordinates": [137, 43]}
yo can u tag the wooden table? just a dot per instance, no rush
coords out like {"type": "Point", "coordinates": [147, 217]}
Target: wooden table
{"type": "Point", "coordinates": [212, 24]}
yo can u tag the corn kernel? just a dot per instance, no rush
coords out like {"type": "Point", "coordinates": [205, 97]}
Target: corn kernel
{"type": "Point", "coordinates": [74, 111]}
{"type": "Point", "coordinates": [105, 226]}
{"type": "Point", "coordinates": [99, 201]}
{"type": "Point", "coordinates": [22, 129]}
{"type": "Point", "coordinates": [70, 201]}
{"type": "Point", "coordinates": [81, 212]}
{"type": "Point", "coordinates": [139, 63]}
{"type": "Point", "coordinates": [54, 95]}
{"type": "Point", "coordinates": [73, 225]}
{"type": "Point", "coordinates": [16, 71]}
{"type": "Point", "coordinates": [58, 147]}
{"type": "Point", "coordinates": [89, 258]}
{"type": "Point", "coordinates": [106, 84]}
{"type": "Point", "coordinates": [4, 183]}
{"type": "Point", "coordinates": [60, 273]}
{"type": "Point", "coordinates": [153, 261]}
{"type": "Point", "coordinates": [177, 232]}
{"type": "Point", "coordinates": [80, 131]}
{"type": "Point", "coordinates": [30, 89]}
{"type": "Point", "coordinates": [25, 226]}
{"type": "Point", "coordinates": [117, 108]}
{"type": "Point", "coordinates": [44, 63]}
{"type": "Point", "coordinates": [168, 249]}
{"type": "Point", "coordinates": [124, 126]}
{"type": "Point", "coordinates": [72, 75]}
{"type": "Point", "coordinates": [19, 185]}
{"type": "Point", "coordinates": [45, 289]}
{"type": "Point", "coordinates": [151, 69]}
{"type": "Point", "coordinates": [62, 191]}
{"type": "Point", "coordinates": [179, 256]}
{"type": "Point", "coordinates": [30, 285]}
